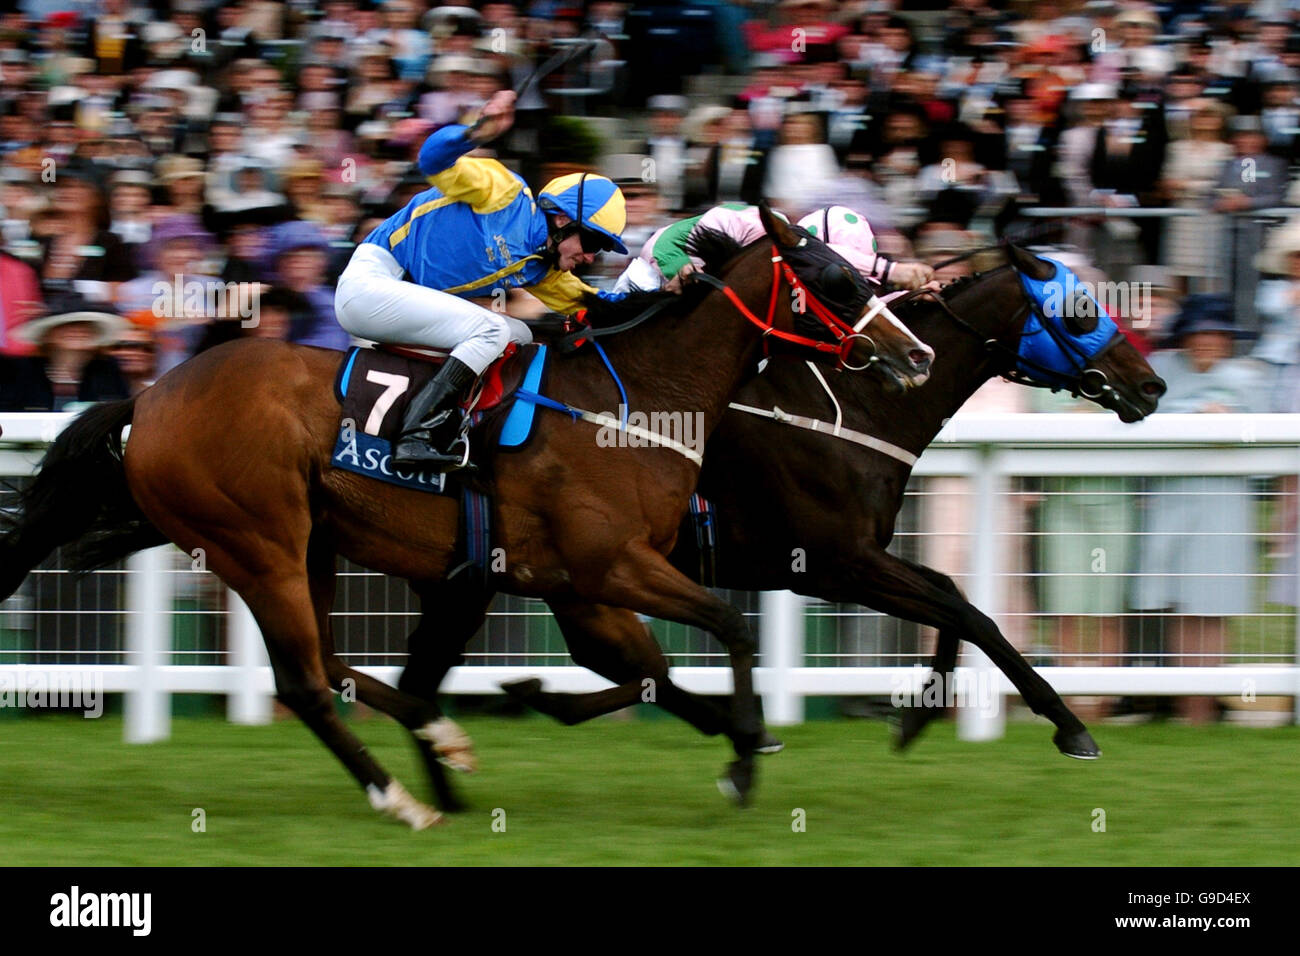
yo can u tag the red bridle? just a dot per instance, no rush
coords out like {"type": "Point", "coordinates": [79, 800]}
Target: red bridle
{"type": "Point", "coordinates": [843, 332]}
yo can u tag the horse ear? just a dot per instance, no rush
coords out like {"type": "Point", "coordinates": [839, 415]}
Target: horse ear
{"type": "Point", "coordinates": [1030, 264]}
{"type": "Point", "coordinates": [777, 228]}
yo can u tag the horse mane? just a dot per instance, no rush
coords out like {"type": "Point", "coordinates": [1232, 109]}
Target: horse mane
{"type": "Point", "coordinates": [948, 290]}
{"type": "Point", "coordinates": [716, 248]}
{"type": "Point", "coordinates": [958, 284]}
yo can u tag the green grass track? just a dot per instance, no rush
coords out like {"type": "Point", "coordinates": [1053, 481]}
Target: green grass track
{"type": "Point", "coordinates": [637, 792]}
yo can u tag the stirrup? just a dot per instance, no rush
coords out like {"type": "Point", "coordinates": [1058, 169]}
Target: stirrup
{"type": "Point", "coordinates": [428, 457]}
{"type": "Point", "coordinates": [464, 458]}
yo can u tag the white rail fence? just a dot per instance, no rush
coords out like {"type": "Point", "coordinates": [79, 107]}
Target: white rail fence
{"type": "Point", "coordinates": [995, 454]}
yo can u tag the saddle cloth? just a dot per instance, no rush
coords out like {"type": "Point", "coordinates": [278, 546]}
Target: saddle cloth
{"type": "Point", "coordinates": [375, 387]}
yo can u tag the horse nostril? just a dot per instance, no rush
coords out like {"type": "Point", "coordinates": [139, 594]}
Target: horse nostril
{"type": "Point", "coordinates": [920, 358]}
{"type": "Point", "coordinates": [1154, 388]}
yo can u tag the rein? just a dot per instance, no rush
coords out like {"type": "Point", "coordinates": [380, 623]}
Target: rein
{"type": "Point", "coordinates": [571, 341]}
{"type": "Point", "coordinates": [845, 335]}
{"type": "Point", "coordinates": [1090, 383]}
{"type": "Point", "coordinates": [991, 345]}
{"type": "Point", "coordinates": [834, 430]}
{"type": "Point", "coordinates": [944, 263]}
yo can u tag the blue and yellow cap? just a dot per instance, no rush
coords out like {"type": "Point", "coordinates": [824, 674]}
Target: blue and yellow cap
{"type": "Point", "coordinates": [590, 200]}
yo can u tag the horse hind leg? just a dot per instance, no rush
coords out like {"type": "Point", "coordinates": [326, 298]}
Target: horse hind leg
{"type": "Point", "coordinates": [439, 741]}
{"type": "Point", "coordinates": [449, 618]}
{"type": "Point", "coordinates": [284, 611]}
{"type": "Point", "coordinates": [616, 645]}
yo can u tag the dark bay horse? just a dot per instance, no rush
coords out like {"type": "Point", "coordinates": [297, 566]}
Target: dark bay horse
{"type": "Point", "coordinates": [777, 487]}
{"type": "Point", "coordinates": [230, 454]}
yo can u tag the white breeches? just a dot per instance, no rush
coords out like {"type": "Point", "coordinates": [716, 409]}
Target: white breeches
{"type": "Point", "coordinates": [373, 302]}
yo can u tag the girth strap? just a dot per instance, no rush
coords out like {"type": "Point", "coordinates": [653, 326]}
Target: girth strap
{"type": "Point", "coordinates": [606, 421]}
{"type": "Point", "coordinates": [826, 428]}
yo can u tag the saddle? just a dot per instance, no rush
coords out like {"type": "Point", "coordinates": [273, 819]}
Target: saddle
{"type": "Point", "coordinates": [375, 385]}
{"type": "Point", "coordinates": [498, 381]}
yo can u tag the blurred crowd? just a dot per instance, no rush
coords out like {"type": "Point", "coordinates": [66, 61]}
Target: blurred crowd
{"type": "Point", "coordinates": [229, 150]}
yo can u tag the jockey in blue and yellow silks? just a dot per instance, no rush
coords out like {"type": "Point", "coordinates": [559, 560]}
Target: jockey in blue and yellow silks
{"type": "Point", "coordinates": [477, 231]}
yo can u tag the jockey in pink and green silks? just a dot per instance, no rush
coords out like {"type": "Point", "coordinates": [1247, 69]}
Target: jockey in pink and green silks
{"type": "Point", "coordinates": [664, 260]}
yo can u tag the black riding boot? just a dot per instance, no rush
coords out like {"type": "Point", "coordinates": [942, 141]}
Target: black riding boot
{"type": "Point", "coordinates": [432, 422]}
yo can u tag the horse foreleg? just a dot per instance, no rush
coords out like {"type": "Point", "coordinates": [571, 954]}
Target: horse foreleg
{"type": "Point", "coordinates": [420, 717]}
{"type": "Point", "coordinates": [914, 717]}
{"type": "Point", "coordinates": [903, 589]}
{"type": "Point", "coordinates": [609, 641]}
{"type": "Point", "coordinates": [284, 611]}
{"type": "Point", "coordinates": [571, 708]}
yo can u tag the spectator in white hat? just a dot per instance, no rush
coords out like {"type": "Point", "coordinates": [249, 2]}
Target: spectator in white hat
{"type": "Point", "coordinates": [1135, 48]}
{"type": "Point", "coordinates": [666, 147]}
{"type": "Point", "coordinates": [457, 94]}
{"type": "Point", "coordinates": [799, 166]}
{"type": "Point", "coordinates": [69, 366]}
{"type": "Point", "coordinates": [1090, 105]}
{"type": "Point", "coordinates": [182, 177]}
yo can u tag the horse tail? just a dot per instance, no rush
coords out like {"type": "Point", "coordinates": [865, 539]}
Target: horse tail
{"type": "Point", "coordinates": [79, 494]}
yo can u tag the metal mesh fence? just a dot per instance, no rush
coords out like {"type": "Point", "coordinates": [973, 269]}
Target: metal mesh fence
{"type": "Point", "coordinates": [1097, 570]}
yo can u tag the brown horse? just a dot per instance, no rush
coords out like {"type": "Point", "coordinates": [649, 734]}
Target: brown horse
{"type": "Point", "coordinates": [839, 500]}
{"type": "Point", "coordinates": [229, 454]}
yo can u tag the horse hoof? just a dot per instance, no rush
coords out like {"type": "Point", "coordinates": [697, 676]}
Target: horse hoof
{"type": "Point", "coordinates": [522, 689]}
{"type": "Point", "coordinates": [768, 744]}
{"type": "Point", "coordinates": [738, 783]}
{"type": "Point", "coordinates": [1077, 744]}
{"type": "Point", "coordinates": [451, 745]}
{"type": "Point", "coordinates": [461, 761]}
{"type": "Point", "coordinates": [453, 805]}
{"type": "Point", "coordinates": [396, 802]}
{"type": "Point", "coordinates": [909, 725]}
